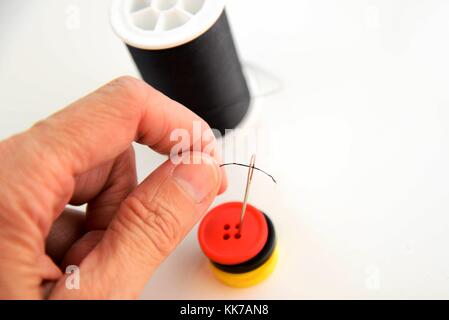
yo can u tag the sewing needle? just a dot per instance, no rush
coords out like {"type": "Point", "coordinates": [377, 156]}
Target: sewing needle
{"type": "Point", "coordinates": [248, 185]}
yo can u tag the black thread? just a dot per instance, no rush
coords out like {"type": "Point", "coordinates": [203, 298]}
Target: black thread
{"type": "Point", "coordinates": [205, 75]}
{"type": "Point", "coordinates": [247, 166]}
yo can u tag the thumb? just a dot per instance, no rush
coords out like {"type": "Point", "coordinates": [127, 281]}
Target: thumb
{"type": "Point", "coordinates": [149, 224]}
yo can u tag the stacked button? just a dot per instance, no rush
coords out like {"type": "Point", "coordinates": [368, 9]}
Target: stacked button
{"type": "Point", "coordinates": [240, 256]}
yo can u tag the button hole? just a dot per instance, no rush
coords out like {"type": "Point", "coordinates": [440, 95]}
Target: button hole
{"type": "Point", "coordinates": [227, 226]}
{"type": "Point", "coordinates": [226, 236]}
{"type": "Point", "coordinates": [237, 236]}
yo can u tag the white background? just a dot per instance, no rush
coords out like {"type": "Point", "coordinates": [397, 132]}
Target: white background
{"type": "Point", "coordinates": [361, 206]}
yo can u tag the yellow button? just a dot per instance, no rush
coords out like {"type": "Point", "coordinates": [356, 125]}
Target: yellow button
{"type": "Point", "coordinates": [247, 279]}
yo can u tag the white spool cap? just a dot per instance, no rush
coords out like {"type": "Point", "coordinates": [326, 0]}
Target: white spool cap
{"type": "Point", "coordinates": [163, 24]}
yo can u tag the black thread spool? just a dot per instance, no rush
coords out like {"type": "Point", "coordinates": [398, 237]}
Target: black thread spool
{"type": "Point", "coordinates": [185, 49]}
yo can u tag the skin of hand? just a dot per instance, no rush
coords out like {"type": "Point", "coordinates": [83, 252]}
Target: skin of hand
{"type": "Point", "coordinates": [83, 154]}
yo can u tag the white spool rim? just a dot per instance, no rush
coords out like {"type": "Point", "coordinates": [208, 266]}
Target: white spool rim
{"type": "Point", "coordinates": [163, 24]}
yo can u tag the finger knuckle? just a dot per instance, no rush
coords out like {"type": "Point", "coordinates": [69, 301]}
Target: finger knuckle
{"type": "Point", "coordinates": [125, 97]}
{"type": "Point", "coordinates": [128, 87]}
{"type": "Point", "coordinates": [155, 220]}
{"type": "Point", "coordinates": [7, 145]}
{"type": "Point", "coordinates": [126, 82]}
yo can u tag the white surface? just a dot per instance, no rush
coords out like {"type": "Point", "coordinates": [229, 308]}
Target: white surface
{"type": "Point", "coordinates": [362, 203]}
{"type": "Point", "coordinates": [161, 24]}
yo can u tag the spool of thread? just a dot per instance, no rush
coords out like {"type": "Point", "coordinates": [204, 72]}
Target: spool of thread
{"type": "Point", "coordinates": [238, 259]}
{"type": "Point", "coordinates": [185, 49]}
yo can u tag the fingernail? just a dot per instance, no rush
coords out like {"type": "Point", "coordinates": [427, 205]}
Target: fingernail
{"type": "Point", "coordinates": [199, 178]}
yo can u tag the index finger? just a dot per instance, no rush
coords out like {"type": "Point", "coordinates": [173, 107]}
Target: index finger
{"type": "Point", "coordinates": [87, 133]}
{"type": "Point", "coordinates": [101, 125]}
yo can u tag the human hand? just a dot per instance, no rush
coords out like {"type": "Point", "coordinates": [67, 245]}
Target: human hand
{"type": "Point", "coordinates": [83, 154]}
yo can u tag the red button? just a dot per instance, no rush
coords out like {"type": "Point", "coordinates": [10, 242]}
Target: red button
{"type": "Point", "coordinates": [220, 238]}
